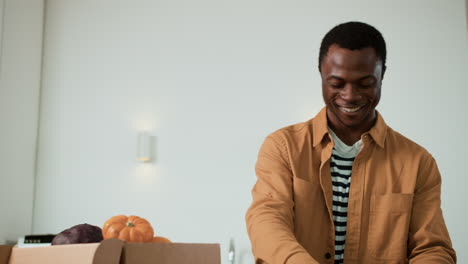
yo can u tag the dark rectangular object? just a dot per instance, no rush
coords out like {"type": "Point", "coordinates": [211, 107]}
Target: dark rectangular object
{"type": "Point", "coordinates": [34, 239]}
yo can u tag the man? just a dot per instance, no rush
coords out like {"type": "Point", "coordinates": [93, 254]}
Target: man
{"type": "Point", "coordinates": [344, 187]}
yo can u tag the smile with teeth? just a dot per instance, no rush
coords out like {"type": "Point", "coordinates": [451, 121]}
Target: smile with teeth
{"type": "Point", "coordinates": [351, 109]}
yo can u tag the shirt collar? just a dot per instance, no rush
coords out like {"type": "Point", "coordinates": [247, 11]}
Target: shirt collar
{"type": "Point", "coordinates": [320, 128]}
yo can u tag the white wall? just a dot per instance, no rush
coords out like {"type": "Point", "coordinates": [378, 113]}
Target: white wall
{"type": "Point", "coordinates": [20, 71]}
{"type": "Point", "coordinates": [210, 79]}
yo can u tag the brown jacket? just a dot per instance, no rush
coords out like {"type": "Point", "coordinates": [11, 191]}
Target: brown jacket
{"type": "Point", "coordinates": [394, 213]}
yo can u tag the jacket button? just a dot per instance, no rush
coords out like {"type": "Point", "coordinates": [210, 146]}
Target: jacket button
{"type": "Point", "coordinates": [327, 255]}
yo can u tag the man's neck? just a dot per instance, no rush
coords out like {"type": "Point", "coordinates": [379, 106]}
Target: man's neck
{"type": "Point", "coordinates": [348, 137]}
{"type": "Point", "coordinates": [351, 135]}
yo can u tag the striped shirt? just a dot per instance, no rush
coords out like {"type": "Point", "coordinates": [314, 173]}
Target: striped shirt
{"type": "Point", "coordinates": [341, 167]}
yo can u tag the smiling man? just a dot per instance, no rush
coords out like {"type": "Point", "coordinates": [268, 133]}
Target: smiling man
{"type": "Point", "coordinates": [344, 187]}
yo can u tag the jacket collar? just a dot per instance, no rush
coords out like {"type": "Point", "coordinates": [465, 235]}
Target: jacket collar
{"type": "Point", "coordinates": [320, 128]}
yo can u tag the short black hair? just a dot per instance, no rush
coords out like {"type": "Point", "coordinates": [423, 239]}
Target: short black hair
{"type": "Point", "coordinates": [354, 36]}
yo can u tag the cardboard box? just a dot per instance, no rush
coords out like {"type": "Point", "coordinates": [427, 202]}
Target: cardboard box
{"type": "Point", "coordinates": [5, 253]}
{"type": "Point", "coordinates": [114, 251]}
{"type": "Point", "coordinates": [170, 253]}
{"type": "Point", "coordinates": [106, 252]}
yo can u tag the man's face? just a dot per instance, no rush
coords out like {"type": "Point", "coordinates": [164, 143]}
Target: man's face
{"type": "Point", "coordinates": [351, 82]}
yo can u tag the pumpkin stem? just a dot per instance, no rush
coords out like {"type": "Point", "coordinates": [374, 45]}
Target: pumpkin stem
{"type": "Point", "coordinates": [130, 224]}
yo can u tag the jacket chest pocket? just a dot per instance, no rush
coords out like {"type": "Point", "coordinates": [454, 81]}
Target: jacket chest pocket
{"type": "Point", "coordinates": [308, 195]}
{"type": "Point", "coordinates": [389, 220]}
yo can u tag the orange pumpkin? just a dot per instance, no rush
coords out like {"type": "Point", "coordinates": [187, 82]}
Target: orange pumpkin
{"type": "Point", "coordinates": [160, 239]}
{"type": "Point", "coordinates": [131, 229]}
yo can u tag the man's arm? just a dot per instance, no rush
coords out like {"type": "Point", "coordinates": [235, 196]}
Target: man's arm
{"type": "Point", "coordinates": [269, 219]}
{"type": "Point", "coordinates": [429, 241]}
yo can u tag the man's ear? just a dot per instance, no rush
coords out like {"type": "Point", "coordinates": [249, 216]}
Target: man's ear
{"type": "Point", "coordinates": [384, 68]}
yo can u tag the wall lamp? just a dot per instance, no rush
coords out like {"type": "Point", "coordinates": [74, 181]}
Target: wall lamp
{"type": "Point", "coordinates": [144, 147]}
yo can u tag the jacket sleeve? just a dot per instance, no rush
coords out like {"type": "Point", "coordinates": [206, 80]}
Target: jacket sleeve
{"type": "Point", "coordinates": [429, 241]}
{"type": "Point", "coordinates": [270, 217]}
